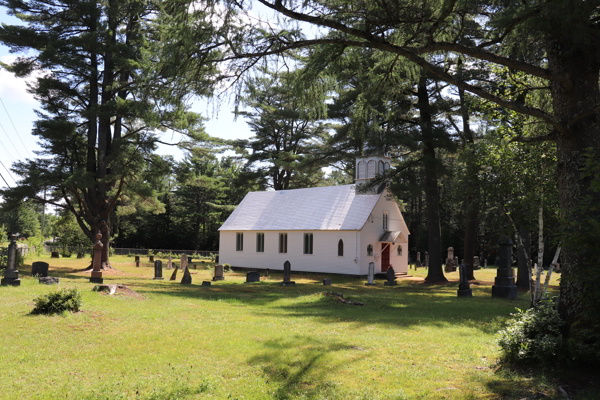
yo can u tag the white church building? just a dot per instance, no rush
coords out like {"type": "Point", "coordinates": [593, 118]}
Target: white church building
{"type": "Point", "coordinates": [332, 229]}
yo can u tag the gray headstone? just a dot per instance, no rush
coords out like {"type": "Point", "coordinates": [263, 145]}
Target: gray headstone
{"type": "Point", "coordinates": [463, 287]}
{"type": "Point", "coordinates": [49, 280]}
{"type": "Point", "coordinates": [137, 258]}
{"type": "Point", "coordinates": [252, 276]}
{"type": "Point", "coordinates": [391, 277]}
{"type": "Point", "coordinates": [219, 275]}
{"type": "Point", "coordinates": [206, 283]}
{"type": "Point", "coordinates": [170, 263]}
{"type": "Point", "coordinates": [54, 254]}
{"type": "Point", "coordinates": [371, 275]}
{"type": "Point", "coordinates": [174, 274]}
{"type": "Point", "coordinates": [476, 264]}
{"type": "Point", "coordinates": [187, 278]}
{"type": "Point", "coordinates": [11, 274]}
{"type": "Point", "coordinates": [504, 283]}
{"type": "Point", "coordinates": [287, 274]}
{"type": "Point", "coordinates": [327, 282]}
{"type": "Point", "coordinates": [39, 268]}
{"type": "Point", "coordinates": [426, 263]}
{"type": "Point", "coordinates": [183, 262]}
{"type": "Point", "coordinates": [158, 270]}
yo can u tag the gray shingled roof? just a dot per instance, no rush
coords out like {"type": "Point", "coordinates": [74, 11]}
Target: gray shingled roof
{"type": "Point", "coordinates": [319, 208]}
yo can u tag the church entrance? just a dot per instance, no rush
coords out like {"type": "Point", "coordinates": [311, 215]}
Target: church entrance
{"type": "Point", "coordinates": [385, 256]}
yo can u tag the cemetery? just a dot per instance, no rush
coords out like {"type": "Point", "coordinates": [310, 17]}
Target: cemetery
{"type": "Point", "coordinates": [212, 335]}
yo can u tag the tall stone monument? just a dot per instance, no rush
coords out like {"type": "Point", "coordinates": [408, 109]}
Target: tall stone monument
{"type": "Point", "coordinates": [450, 265]}
{"type": "Point", "coordinates": [463, 287]}
{"type": "Point", "coordinates": [371, 275]}
{"type": "Point", "coordinates": [183, 262]}
{"type": "Point", "coordinates": [170, 263]}
{"type": "Point", "coordinates": [504, 284]}
{"type": "Point", "coordinates": [11, 274]}
{"type": "Point", "coordinates": [426, 262]}
{"type": "Point", "coordinates": [219, 275]}
{"type": "Point", "coordinates": [158, 270]}
{"type": "Point", "coordinates": [287, 274]}
{"type": "Point", "coordinates": [137, 261]}
{"type": "Point", "coordinates": [97, 261]}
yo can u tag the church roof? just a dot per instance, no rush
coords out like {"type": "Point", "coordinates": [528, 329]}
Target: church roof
{"type": "Point", "coordinates": [319, 208]}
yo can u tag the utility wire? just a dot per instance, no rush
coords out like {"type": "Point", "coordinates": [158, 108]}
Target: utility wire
{"type": "Point", "coordinates": [17, 132]}
{"type": "Point", "coordinates": [21, 157]}
{"type": "Point", "coordinates": [6, 150]}
{"type": "Point", "coordinates": [7, 170]}
{"type": "Point", "coordinates": [4, 179]}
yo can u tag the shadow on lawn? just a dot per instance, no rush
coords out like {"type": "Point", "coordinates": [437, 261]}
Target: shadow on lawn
{"type": "Point", "coordinates": [300, 366]}
{"type": "Point", "coordinates": [401, 306]}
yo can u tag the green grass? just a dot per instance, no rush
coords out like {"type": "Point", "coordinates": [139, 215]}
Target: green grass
{"type": "Point", "coordinates": [256, 341]}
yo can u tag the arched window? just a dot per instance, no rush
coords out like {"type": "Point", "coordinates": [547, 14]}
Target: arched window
{"type": "Point", "coordinates": [360, 170]}
{"type": "Point", "coordinates": [340, 248]}
{"type": "Point", "coordinates": [399, 250]}
{"type": "Point", "coordinates": [387, 166]}
{"type": "Point", "coordinates": [381, 166]}
{"type": "Point", "coordinates": [371, 169]}
{"type": "Point", "coordinates": [370, 250]}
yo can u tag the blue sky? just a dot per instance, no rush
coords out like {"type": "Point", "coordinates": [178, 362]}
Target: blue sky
{"type": "Point", "coordinates": [17, 143]}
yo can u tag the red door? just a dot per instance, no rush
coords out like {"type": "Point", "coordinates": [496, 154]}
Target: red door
{"type": "Point", "coordinates": [385, 256]}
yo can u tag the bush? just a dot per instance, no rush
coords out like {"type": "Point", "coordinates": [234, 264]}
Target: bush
{"type": "Point", "coordinates": [532, 336]}
{"type": "Point", "coordinates": [58, 302]}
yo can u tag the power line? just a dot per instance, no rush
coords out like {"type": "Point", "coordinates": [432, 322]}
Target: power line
{"type": "Point", "coordinates": [15, 128]}
{"type": "Point", "coordinates": [20, 156]}
{"type": "Point", "coordinates": [7, 170]}
{"type": "Point", "coordinates": [4, 179]}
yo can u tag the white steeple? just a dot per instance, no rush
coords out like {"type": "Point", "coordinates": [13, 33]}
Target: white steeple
{"type": "Point", "coordinates": [367, 167]}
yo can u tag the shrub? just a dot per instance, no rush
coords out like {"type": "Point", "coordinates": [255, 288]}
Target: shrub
{"type": "Point", "coordinates": [532, 336]}
{"type": "Point", "coordinates": [226, 267]}
{"type": "Point", "coordinates": [58, 302]}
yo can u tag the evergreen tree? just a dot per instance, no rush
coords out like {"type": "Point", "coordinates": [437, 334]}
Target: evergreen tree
{"type": "Point", "coordinates": [113, 77]}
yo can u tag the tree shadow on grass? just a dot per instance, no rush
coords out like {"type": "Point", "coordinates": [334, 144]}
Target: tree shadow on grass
{"type": "Point", "coordinates": [400, 306]}
{"type": "Point", "coordinates": [300, 366]}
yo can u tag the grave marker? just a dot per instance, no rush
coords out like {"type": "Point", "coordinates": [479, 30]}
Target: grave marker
{"type": "Point", "coordinates": [170, 263]}
{"type": "Point", "coordinates": [137, 261]}
{"type": "Point", "coordinates": [187, 278]}
{"type": "Point", "coordinates": [158, 270]}
{"type": "Point", "coordinates": [39, 268]}
{"type": "Point", "coordinates": [11, 274]}
{"type": "Point", "coordinates": [463, 287]}
{"type": "Point", "coordinates": [97, 261]}
{"type": "Point", "coordinates": [371, 275]}
{"type": "Point", "coordinates": [327, 282]}
{"type": "Point", "coordinates": [391, 277]}
{"type": "Point", "coordinates": [504, 283]}
{"type": "Point", "coordinates": [252, 276]}
{"type": "Point", "coordinates": [219, 273]}
{"type": "Point", "coordinates": [287, 274]}
{"type": "Point", "coordinates": [174, 274]}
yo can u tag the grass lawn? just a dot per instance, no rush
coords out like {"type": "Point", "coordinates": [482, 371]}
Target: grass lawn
{"type": "Point", "coordinates": [256, 341]}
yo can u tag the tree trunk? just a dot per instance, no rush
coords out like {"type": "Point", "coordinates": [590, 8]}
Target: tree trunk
{"type": "Point", "coordinates": [582, 134]}
{"type": "Point", "coordinates": [522, 262]}
{"type": "Point", "coordinates": [432, 210]}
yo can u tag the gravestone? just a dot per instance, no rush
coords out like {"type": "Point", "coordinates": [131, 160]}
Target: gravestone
{"type": "Point", "coordinates": [391, 277]}
{"type": "Point", "coordinates": [137, 261]}
{"type": "Point", "coordinates": [287, 274]}
{"type": "Point", "coordinates": [49, 280]}
{"type": "Point", "coordinates": [187, 278]}
{"type": "Point", "coordinates": [158, 270]}
{"type": "Point", "coordinates": [327, 282]}
{"type": "Point", "coordinates": [267, 273]}
{"type": "Point", "coordinates": [463, 287]}
{"type": "Point", "coordinates": [174, 274]}
{"type": "Point", "coordinates": [206, 283]}
{"type": "Point", "coordinates": [217, 259]}
{"type": "Point", "coordinates": [151, 259]}
{"type": "Point", "coordinates": [371, 275]}
{"type": "Point", "coordinates": [54, 254]}
{"type": "Point", "coordinates": [170, 263]}
{"type": "Point", "coordinates": [426, 263]}
{"type": "Point", "coordinates": [450, 265]}
{"type": "Point", "coordinates": [476, 264]}
{"type": "Point", "coordinates": [219, 275]}
{"type": "Point", "coordinates": [39, 268]}
{"type": "Point", "coordinates": [11, 274]}
{"type": "Point", "coordinates": [189, 260]}
{"type": "Point", "coordinates": [183, 262]}
{"type": "Point", "coordinates": [97, 261]}
{"type": "Point", "coordinates": [504, 283]}
{"type": "Point", "coordinates": [252, 276]}
{"type": "Point", "coordinates": [485, 263]}
{"type": "Point", "coordinates": [418, 261]}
